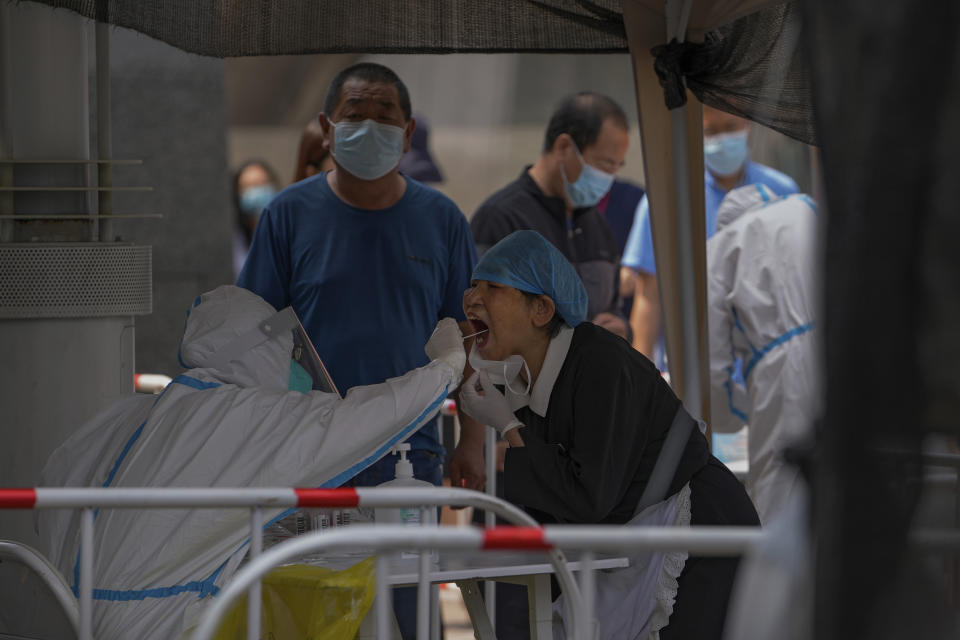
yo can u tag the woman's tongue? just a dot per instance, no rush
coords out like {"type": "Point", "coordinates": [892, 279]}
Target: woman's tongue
{"type": "Point", "coordinates": [481, 326]}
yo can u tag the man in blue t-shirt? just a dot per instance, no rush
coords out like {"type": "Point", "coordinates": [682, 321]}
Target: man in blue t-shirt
{"type": "Point", "coordinates": [368, 258]}
{"type": "Point", "coordinates": [727, 166]}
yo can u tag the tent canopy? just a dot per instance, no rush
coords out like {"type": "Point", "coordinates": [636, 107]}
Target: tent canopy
{"type": "Point", "coordinates": [741, 57]}
{"type": "Point", "coordinates": [737, 55]}
{"type": "Point", "coordinates": [224, 28]}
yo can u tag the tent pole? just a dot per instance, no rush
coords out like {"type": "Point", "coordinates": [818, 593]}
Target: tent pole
{"type": "Point", "coordinates": [678, 15]}
{"type": "Point", "coordinates": [674, 169]}
{"type": "Point", "coordinates": [685, 263]}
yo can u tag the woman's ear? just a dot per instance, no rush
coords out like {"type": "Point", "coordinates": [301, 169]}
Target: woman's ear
{"type": "Point", "coordinates": [543, 310]}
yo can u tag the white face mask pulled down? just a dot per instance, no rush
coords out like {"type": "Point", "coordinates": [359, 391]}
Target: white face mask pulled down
{"type": "Point", "coordinates": [506, 373]}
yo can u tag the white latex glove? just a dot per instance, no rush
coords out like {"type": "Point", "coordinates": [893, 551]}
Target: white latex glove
{"type": "Point", "coordinates": [487, 404]}
{"type": "Point", "coordinates": [446, 345]}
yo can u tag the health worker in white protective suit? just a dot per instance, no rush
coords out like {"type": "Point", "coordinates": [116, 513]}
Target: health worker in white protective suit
{"type": "Point", "coordinates": [243, 415]}
{"type": "Point", "coordinates": [761, 267]}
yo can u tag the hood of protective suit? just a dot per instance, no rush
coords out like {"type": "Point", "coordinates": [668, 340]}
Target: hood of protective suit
{"type": "Point", "coordinates": [741, 200]}
{"type": "Point", "coordinates": [219, 317]}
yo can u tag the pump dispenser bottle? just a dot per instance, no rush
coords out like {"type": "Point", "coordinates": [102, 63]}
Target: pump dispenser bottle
{"type": "Point", "coordinates": [403, 477]}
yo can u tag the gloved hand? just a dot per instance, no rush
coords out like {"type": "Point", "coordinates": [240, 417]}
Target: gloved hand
{"type": "Point", "coordinates": [446, 345]}
{"type": "Point", "coordinates": [489, 408]}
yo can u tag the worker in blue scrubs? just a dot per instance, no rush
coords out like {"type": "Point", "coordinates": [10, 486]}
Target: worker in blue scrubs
{"type": "Point", "coordinates": [727, 166]}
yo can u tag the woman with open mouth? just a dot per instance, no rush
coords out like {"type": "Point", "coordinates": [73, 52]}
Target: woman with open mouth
{"type": "Point", "coordinates": [596, 436]}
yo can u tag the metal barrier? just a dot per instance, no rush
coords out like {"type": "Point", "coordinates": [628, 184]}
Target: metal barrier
{"type": "Point", "coordinates": [47, 574]}
{"type": "Point", "coordinates": [255, 499]}
{"type": "Point", "coordinates": [701, 540]}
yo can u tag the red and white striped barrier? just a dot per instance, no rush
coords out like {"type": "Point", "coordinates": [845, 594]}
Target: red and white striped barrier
{"type": "Point", "coordinates": [150, 382]}
{"type": "Point", "coordinates": [528, 536]}
{"type": "Point", "coordinates": [266, 497]}
{"type": "Point", "coordinates": [256, 499]}
{"type": "Point", "coordinates": [702, 540]}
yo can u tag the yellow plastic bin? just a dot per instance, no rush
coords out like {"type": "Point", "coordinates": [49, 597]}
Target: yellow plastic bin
{"type": "Point", "coordinates": [304, 602]}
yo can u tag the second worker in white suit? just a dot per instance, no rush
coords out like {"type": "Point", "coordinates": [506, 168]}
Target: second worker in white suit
{"type": "Point", "coordinates": [761, 267]}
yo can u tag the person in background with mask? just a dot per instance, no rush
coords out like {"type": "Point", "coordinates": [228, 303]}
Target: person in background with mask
{"type": "Point", "coordinates": [726, 165]}
{"type": "Point", "coordinates": [254, 185]}
{"type": "Point", "coordinates": [370, 260]}
{"type": "Point", "coordinates": [618, 207]}
{"type": "Point", "coordinates": [244, 414]}
{"type": "Point", "coordinates": [597, 436]}
{"type": "Point", "coordinates": [313, 154]}
{"type": "Point", "coordinates": [585, 145]}
{"type": "Point", "coordinates": [418, 163]}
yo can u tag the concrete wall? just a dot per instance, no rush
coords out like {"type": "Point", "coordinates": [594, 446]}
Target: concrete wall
{"type": "Point", "coordinates": [169, 109]}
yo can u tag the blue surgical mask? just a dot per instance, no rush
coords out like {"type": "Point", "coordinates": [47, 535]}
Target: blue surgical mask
{"type": "Point", "coordinates": [590, 187]}
{"type": "Point", "coordinates": [725, 153]}
{"type": "Point", "coordinates": [368, 149]}
{"type": "Point", "coordinates": [254, 199]}
{"type": "Point", "coordinates": [300, 380]}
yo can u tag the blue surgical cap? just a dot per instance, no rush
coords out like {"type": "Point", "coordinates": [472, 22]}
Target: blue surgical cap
{"type": "Point", "coordinates": [525, 260]}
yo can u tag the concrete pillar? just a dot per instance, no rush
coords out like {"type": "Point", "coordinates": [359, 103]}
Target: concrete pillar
{"type": "Point", "coordinates": [66, 302]}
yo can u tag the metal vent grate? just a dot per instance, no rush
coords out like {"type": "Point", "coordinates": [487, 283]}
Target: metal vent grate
{"type": "Point", "coordinates": [75, 280]}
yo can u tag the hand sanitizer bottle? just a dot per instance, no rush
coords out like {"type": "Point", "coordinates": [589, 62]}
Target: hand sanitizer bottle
{"type": "Point", "coordinates": [410, 516]}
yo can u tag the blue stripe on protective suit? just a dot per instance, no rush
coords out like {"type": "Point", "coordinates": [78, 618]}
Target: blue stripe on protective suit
{"type": "Point", "coordinates": [735, 372]}
{"type": "Point", "coordinates": [340, 478]}
{"type": "Point", "coordinates": [203, 588]}
{"type": "Point", "coordinates": [776, 342]}
{"type": "Point", "coordinates": [181, 379]}
{"type": "Point", "coordinates": [763, 191]}
{"type": "Point", "coordinates": [360, 466]}
{"type": "Point", "coordinates": [186, 381]}
{"type": "Point", "coordinates": [123, 454]}
{"type": "Point", "coordinates": [728, 385]}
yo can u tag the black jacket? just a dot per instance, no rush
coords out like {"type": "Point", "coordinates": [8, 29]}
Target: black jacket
{"type": "Point", "coordinates": [589, 459]}
{"type": "Point", "coordinates": [587, 240]}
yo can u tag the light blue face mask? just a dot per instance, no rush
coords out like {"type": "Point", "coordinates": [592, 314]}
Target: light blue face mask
{"type": "Point", "coordinates": [725, 153]}
{"type": "Point", "coordinates": [368, 149]}
{"type": "Point", "coordinates": [254, 199]}
{"type": "Point", "coordinates": [300, 380]}
{"type": "Point", "coordinates": [590, 187]}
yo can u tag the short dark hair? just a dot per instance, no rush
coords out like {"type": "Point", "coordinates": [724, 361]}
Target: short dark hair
{"type": "Point", "coordinates": [582, 116]}
{"type": "Point", "coordinates": [369, 72]}
{"type": "Point", "coordinates": [556, 322]}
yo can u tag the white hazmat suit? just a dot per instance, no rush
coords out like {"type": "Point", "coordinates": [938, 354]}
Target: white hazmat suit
{"type": "Point", "coordinates": [761, 291]}
{"type": "Point", "coordinates": [236, 425]}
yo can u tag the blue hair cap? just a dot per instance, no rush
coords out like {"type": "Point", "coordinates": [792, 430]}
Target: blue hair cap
{"type": "Point", "coordinates": [525, 260]}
